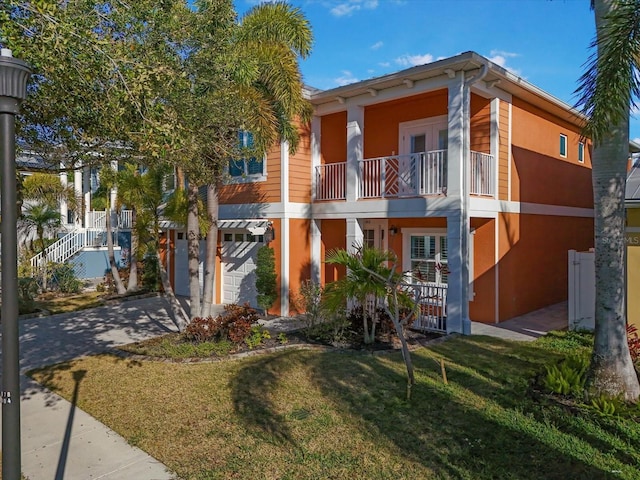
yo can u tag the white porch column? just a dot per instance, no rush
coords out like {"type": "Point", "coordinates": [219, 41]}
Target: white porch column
{"type": "Point", "coordinates": [355, 149]}
{"type": "Point", "coordinates": [114, 191]}
{"type": "Point", "coordinates": [316, 133]}
{"type": "Point", "coordinates": [458, 222]}
{"type": "Point", "coordinates": [495, 142]}
{"type": "Point", "coordinates": [355, 235]}
{"type": "Point", "coordinates": [64, 207]}
{"type": "Point", "coordinates": [77, 186]}
{"type": "Point", "coordinates": [316, 250]}
{"type": "Point", "coordinates": [86, 188]}
{"type": "Point", "coordinates": [285, 270]}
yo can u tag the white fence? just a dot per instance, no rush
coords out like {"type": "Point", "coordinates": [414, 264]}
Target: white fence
{"type": "Point", "coordinates": [582, 290]}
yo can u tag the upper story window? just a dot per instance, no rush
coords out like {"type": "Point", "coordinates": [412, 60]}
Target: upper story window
{"type": "Point", "coordinates": [563, 145]}
{"type": "Point", "coordinates": [247, 169]}
{"type": "Point", "coordinates": [581, 152]}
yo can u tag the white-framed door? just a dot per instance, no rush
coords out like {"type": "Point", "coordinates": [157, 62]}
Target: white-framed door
{"type": "Point", "coordinates": [375, 233]}
{"type": "Point", "coordinates": [238, 257]}
{"type": "Point", "coordinates": [417, 137]}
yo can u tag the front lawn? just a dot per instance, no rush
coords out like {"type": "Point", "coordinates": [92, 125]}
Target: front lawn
{"type": "Point", "coordinates": [319, 415]}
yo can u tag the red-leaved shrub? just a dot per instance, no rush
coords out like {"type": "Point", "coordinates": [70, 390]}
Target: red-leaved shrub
{"type": "Point", "coordinates": [634, 342]}
{"type": "Point", "coordinates": [234, 324]}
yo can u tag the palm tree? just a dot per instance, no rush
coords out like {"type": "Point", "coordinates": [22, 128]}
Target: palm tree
{"type": "Point", "coordinates": [40, 218]}
{"type": "Point", "coordinates": [360, 284]}
{"type": "Point", "coordinates": [606, 92]}
{"type": "Point", "coordinates": [269, 40]}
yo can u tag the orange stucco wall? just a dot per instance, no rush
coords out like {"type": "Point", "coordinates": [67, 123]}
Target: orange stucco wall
{"type": "Point", "coordinates": [539, 174]}
{"type": "Point", "coordinates": [299, 257]}
{"type": "Point", "coordinates": [533, 259]}
{"type": "Point", "coordinates": [483, 306]}
{"type": "Point", "coordinates": [333, 138]}
{"type": "Point", "coordinates": [633, 269]}
{"type": "Point", "coordinates": [381, 122]}
{"type": "Point", "coordinates": [334, 235]}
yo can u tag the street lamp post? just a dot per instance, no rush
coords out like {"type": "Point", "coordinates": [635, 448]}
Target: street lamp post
{"type": "Point", "coordinates": [14, 74]}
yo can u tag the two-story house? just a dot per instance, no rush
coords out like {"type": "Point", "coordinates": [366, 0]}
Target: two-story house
{"type": "Point", "coordinates": [478, 181]}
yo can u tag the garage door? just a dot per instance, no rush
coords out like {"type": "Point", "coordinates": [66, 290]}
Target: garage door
{"type": "Point", "coordinates": [239, 252]}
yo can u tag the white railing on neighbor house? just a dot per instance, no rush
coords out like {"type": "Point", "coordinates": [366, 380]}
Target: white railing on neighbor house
{"type": "Point", "coordinates": [331, 179]}
{"type": "Point", "coordinates": [432, 300]}
{"type": "Point", "coordinates": [395, 176]}
{"type": "Point", "coordinates": [67, 246]}
{"type": "Point", "coordinates": [97, 219]}
{"type": "Point", "coordinates": [482, 174]}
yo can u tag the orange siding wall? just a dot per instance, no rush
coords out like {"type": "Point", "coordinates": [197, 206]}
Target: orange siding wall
{"type": "Point", "coordinates": [381, 121]}
{"type": "Point", "coordinates": [482, 308]}
{"type": "Point", "coordinates": [334, 235]}
{"type": "Point", "coordinates": [300, 168]}
{"type": "Point", "coordinates": [333, 138]}
{"type": "Point", "coordinates": [539, 173]}
{"type": "Point", "coordinates": [480, 124]}
{"type": "Point", "coordinates": [505, 148]}
{"type": "Point", "coordinates": [257, 192]}
{"type": "Point", "coordinates": [533, 259]}
{"type": "Point", "coordinates": [299, 257]}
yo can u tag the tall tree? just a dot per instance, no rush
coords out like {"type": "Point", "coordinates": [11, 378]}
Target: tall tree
{"type": "Point", "coordinates": [607, 89]}
{"type": "Point", "coordinates": [267, 44]}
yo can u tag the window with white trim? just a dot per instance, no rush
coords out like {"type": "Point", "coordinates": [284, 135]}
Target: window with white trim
{"type": "Point", "coordinates": [249, 169]}
{"type": "Point", "coordinates": [563, 145]}
{"type": "Point", "coordinates": [429, 261]}
{"type": "Point", "coordinates": [581, 152]}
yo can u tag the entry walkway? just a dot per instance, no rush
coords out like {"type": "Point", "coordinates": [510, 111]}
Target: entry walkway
{"type": "Point", "coordinates": [527, 327]}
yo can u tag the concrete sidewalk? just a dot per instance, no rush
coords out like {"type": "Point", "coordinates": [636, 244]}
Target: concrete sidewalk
{"type": "Point", "coordinates": [527, 327]}
{"type": "Point", "coordinates": [60, 441]}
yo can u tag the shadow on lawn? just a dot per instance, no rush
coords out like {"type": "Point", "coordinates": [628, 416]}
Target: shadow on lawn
{"type": "Point", "coordinates": [476, 427]}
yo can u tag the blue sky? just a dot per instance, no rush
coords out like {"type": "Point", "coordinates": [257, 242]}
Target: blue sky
{"type": "Point", "coordinates": [545, 42]}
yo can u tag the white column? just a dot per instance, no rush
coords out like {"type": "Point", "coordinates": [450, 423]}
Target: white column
{"type": "Point", "coordinates": [355, 149]}
{"type": "Point", "coordinates": [285, 238]}
{"type": "Point", "coordinates": [78, 187]}
{"type": "Point", "coordinates": [86, 188]}
{"type": "Point", "coordinates": [64, 207]}
{"type": "Point", "coordinates": [458, 221]}
{"type": "Point", "coordinates": [316, 250]}
{"type": "Point", "coordinates": [316, 134]}
{"type": "Point", "coordinates": [355, 235]}
{"type": "Point", "coordinates": [114, 191]}
{"type": "Point", "coordinates": [495, 142]}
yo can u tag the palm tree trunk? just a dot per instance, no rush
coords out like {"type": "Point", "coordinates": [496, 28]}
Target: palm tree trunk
{"type": "Point", "coordinates": [133, 253]}
{"type": "Point", "coordinates": [193, 250]}
{"type": "Point", "coordinates": [611, 372]}
{"type": "Point", "coordinates": [112, 258]}
{"type": "Point", "coordinates": [212, 245]}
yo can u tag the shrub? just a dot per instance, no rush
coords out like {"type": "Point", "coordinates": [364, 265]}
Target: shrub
{"type": "Point", "coordinates": [201, 329]}
{"type": "Point", "coordinates": [64, 278]}
{"type": "Point", "coordinates": [567, 377]}
{"type": "Point", "coordinates": [27, 291]}
{"type": "Point", "coordinates": [150, 273]}
{"type": "Point", "coordinates": [634, 342]}
{"type": "Point", "coordinates": [309, 301]}
{"type": "Point", "coordinates": [257, 335]}
{"type": "Point", "coordinates": [608, 406]}
{"type": "Point", "coordinates": [266, 277]}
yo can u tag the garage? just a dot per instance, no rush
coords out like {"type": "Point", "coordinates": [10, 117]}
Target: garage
{"type": "Point", "coordinates": [238, 254]}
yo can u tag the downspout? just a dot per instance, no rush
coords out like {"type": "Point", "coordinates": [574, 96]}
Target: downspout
{"type": "Point", "coordinates": [464, 197]}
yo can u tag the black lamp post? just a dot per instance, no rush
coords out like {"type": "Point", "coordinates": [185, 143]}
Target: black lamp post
{"type": "Point", "coordinates": [14, 74]}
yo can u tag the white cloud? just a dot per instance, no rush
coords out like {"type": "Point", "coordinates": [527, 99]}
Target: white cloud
{"type": "Point", "coordinates": [413, 60]}
{"type": "Point", "coordinates": [346, 78]}
{"type": "Point", "coordinates": [376, 45]}
{"type": "Point", "coordinates": [385, 64]}
{"type": "Point", "coordinates": [348, 7]}
{"type": "Point", "coordinates": [500, 57]}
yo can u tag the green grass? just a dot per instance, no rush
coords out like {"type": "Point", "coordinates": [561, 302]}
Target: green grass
{"type": "Point", "coordinates": [173, 346]}
{"type": "Point", "coordinates": [70, 303]}
{"type": "Point", "coordinates": [320, 415]}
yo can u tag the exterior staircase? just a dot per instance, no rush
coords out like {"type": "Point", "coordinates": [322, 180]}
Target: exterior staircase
{"type": "Point", "coordinates": [95, 235]}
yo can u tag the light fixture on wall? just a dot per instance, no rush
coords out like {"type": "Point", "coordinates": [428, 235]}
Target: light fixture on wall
{"type": "Point", "coordinates": [269, 234]}
{"type": "Point", "coordinates": [393, 230]}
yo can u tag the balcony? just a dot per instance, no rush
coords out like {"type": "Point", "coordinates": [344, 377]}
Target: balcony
{"type": "Point", "coordinates": [397, 176]}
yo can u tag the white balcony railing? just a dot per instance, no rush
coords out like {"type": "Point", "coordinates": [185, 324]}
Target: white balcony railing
{"type": "Point", "coordinates": [331, 181]}
{"type": "Point", "coordinates": [416, 174]}
{"type": "Point", "coordinates": [432, 301]}
{"type": "Point", "coordinates": [482, 174]}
